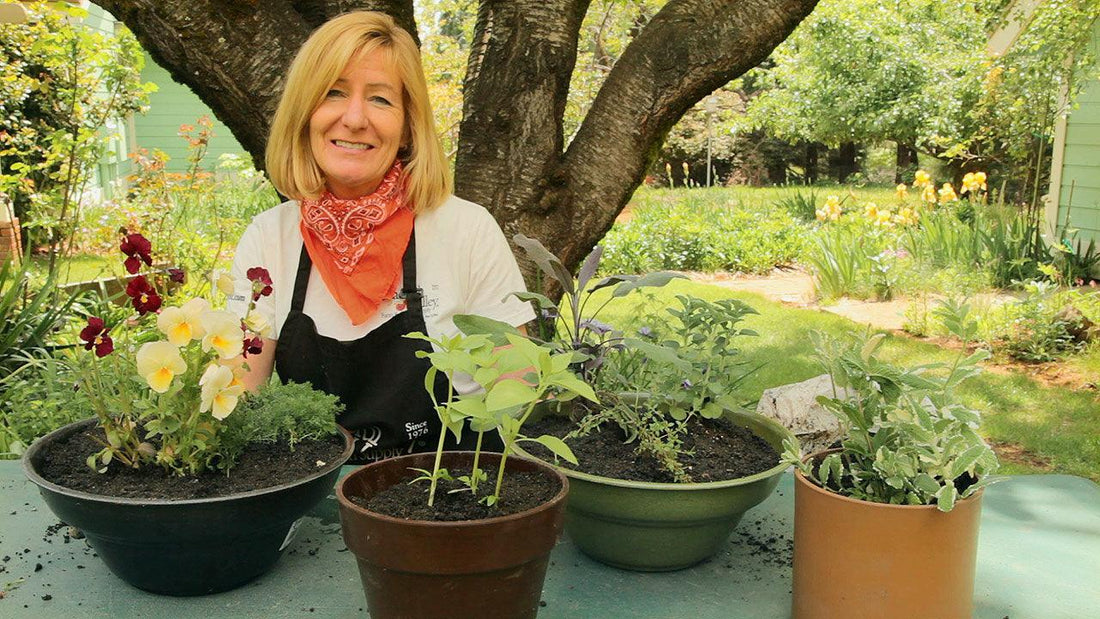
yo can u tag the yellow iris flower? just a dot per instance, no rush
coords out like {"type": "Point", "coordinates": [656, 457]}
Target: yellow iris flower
{"type": "Point", "coordinates": [922, 179]}
{"type": "Point", "coordinates": [928, 194]}
{"type": "Point", "coordinates": [972, 182]}
{"type": "Point", "coordinates": [947, 193]}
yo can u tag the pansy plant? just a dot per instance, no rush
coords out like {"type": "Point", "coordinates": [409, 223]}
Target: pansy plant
{"type": "Point", "coordinates": [161, 381]}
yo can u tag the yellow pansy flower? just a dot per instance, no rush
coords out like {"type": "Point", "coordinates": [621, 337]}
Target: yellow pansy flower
{"type": "Point", "coordinates": [259, 324]}
{"type": "Point", "coordinates": [224, 282]}
{"type": "Point", "coordinates": [223, 333]}
{"type": "Point", "coordinates": [220, 391]}
{"type": "Point", "coordinates": [158, 363]}
{"type": "Point", "coordinates": [181, 324]}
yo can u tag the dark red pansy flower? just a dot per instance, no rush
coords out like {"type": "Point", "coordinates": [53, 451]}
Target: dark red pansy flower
{"type": "Point", "coordinates": [95, 335]}
{"type": "Point", "coordinates": [138, 249]}
{"type": "Point", "coordinates": [177, 275]}
{"type": "Point", "coordinates": [261, 282]}
{"type": "Point", "coordinates": [253, 346]}
{"type": "Point", "coordinates": [144, 298]}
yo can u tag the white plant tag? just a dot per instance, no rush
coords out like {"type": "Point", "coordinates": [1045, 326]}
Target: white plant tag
{"type": "Point", "coordinates": [291, 533]}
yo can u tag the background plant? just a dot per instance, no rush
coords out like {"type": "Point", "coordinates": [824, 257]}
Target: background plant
{"type": "Point", "coordinates": [62, 88]}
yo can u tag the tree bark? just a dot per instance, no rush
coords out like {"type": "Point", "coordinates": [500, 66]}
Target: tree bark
{"type": "Point", "coordinates": [845, 161]}
{"type": "Point", "coordinates": [809, 165]}
{"type": "Point", "coordinates": [512, 156]}
{"type": "Point", "coordinates": [905, 162]}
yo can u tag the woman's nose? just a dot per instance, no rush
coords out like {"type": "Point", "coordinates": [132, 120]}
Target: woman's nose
{"type": "Point", "coordinates": [355, 114]}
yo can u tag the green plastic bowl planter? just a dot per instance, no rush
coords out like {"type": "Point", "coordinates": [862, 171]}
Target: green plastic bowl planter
{"type": "Point", "coordinates": [186, 547]}
{"type": "Point", "coordinates": [659, 527]}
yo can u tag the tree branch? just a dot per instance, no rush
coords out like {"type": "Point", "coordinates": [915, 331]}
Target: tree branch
{"type": "Point", "coordinates": [689, 49]}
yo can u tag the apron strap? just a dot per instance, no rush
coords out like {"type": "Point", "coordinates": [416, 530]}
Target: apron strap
{"type": "Point", "coordinates": [410, 292]}
{"type": "Point", "coordinates": [301, 281]}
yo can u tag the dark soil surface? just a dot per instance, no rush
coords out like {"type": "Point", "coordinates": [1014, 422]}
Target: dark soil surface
{"type": "Point", "coordinates": [720, 451]}
{"type": "Point", "coordinates": [519, 492]}
{"type": "Point", "coordinates": [261, 465]}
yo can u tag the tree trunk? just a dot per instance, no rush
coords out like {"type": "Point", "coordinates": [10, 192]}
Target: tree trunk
{"type": "Point", "coordinates": [844, 162]}
{"type": "Point", "coordinates": [905, 163]}
{"type": "Point", "coordinates": [511, 156]}
{"type": "Point", "coordinates": [809, 164]}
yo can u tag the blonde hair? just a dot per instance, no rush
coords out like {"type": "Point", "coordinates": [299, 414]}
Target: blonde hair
{"type": "Point", "coordinates": [290, 162]}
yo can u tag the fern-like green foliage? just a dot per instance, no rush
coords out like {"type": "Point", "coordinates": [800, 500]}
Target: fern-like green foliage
{"type": "Point", "coordinates": [290, 412]}
{"type": "Point", "coordinates": [910, 441]}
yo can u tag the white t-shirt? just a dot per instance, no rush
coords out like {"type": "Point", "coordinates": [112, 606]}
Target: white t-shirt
{"type": "Point", "coordinates": [463, 264]}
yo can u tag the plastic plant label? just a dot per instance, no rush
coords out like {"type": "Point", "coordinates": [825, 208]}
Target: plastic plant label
{"type": "Point", "coordinates": [291, 533]}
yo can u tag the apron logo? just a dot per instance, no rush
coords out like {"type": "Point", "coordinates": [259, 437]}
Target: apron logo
{"type": "Point", "coordinates": [413, 430]}
{"type": "Point", "coordinates": [369, 441]}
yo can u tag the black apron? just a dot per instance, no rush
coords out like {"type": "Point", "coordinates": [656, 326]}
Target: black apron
{"type": "Point", "coordinates": [378, 377]}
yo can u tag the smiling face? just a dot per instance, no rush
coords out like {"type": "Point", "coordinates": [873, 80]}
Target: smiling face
{"type": "Point", "coordinates": [357, 129]}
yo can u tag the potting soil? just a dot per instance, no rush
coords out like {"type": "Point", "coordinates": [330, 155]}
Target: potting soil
{"type": "Point", "coordinates": [520, 491]}
{"type": "Point", "coordinates": [262, 465]}
{"type": "Point", "coordinates": [713, 450]}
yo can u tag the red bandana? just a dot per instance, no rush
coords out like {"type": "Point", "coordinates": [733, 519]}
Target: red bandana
{"type": "Point", "coordinates": [357, 244]}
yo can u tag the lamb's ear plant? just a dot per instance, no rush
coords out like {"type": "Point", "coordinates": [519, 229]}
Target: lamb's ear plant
{"type": "Point", "coordinates": [514, 378]}
{"type": "Point", "coordinates": [909, 440]}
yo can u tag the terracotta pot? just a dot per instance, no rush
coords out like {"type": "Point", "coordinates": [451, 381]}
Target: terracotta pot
{"type": "Point", "coordinates": [855, 558]}
{"type": "Point", "coordinates": [192, 546]}
{"type": "Point", "coordinates": [466, 569]}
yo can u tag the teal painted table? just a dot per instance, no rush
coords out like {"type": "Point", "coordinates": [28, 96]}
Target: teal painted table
{"type": "Point", "coordinates": [1038, 558]}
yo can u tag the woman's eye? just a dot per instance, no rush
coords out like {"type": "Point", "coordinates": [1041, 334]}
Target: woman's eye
{"type": "Point", "coordinates": [334, 93]}
{"type": "Point", "coordinates": [380, 100]}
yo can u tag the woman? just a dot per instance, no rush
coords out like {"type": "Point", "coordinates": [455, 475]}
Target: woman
{"type": "Point", "coordinates": [372, 246]}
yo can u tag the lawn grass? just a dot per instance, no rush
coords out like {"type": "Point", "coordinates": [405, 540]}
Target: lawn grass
{"type": "Point", "coordinates": [1056, 425]}
{"type": "Point", "coordinates": [759, 198]}
{"type": "Point", "coordinates": [79, 268]}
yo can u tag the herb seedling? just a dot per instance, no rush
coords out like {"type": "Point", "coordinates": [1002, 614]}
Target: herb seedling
{"type": "Point", "coordinates": [515, 378]}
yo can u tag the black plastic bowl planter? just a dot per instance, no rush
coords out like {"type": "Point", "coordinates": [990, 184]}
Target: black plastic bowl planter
{"type": "Point", "coordinates": [186, 547]}
{"type": "Point", "coordinates": [659, 527]}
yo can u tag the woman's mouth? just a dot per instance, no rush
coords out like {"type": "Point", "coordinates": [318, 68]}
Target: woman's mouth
{"type": "Point", "coordinates": [352, 145]}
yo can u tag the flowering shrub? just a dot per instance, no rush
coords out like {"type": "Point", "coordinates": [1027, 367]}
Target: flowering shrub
{"type": "Point", "coordinates": [162, 382]}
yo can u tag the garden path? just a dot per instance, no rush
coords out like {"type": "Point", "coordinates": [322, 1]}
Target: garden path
{"type": "Point", "coordinates": [795, 287]}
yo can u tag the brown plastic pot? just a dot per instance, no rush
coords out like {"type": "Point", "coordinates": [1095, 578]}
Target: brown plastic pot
{"type": "Point", "coordinates": [465, 569]}
{"type": "Point", "coordinates": [855, 558]}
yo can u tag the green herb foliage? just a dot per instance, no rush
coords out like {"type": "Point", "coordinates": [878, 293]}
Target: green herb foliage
{"type": "Point", "coordinates": [281, 412]}
{"type": "Point", "coordinates": [909, 440]}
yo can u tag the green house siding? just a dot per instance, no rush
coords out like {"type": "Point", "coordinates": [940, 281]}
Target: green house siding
{"type": "Point", "coordinates": [172, 105]}
{"type": "Point", "coordinates": [113, 164]}
{"type": "Point", "coordinates": [1079, 189]}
